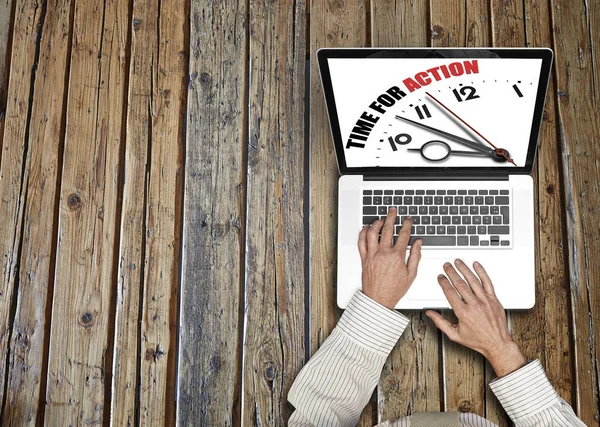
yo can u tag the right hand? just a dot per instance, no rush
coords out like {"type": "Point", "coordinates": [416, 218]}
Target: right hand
{"type": "Point", "coordinates": [481, 319]}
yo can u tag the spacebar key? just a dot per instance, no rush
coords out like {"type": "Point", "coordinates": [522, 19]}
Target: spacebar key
{"type": "Point", "coordinates": [434, 240]}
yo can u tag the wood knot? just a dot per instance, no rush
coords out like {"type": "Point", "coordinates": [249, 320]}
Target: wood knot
{"type": "Point", "coordinates": [465, 406]}
{"type": "Point", "coordinates": [269, 372]}
{"type": "Point", "coordinates": [136, 24]}
{"type": "Point", "coordinates": [74, 201]}
{"type": "Point", "coordinates": [562, 93]}
{"type": "Point", "coordinates": [550, 189]}
{"type": "Point", "coordinates": [437, 32]}
{"type": "Point", "coordinates": [205, 79]}
{"type": "Point", "coordinates": [86, 320]}
{"type": "Point", "coordinates": [155, 354]}
{"type": "Point", "coordinates": [545, 116]}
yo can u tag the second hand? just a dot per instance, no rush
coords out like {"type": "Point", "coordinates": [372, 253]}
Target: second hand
{"type": "Point", "coordinates": [470, 127]}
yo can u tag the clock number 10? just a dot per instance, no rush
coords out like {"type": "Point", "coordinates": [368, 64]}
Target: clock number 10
{"type": "Point", "coordinates": [463, 91]}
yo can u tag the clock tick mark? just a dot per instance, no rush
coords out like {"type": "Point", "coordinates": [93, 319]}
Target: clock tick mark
{"type": "Point", "coordinates": [519, 81]}
{"type": "Point", "coordinates": [460, 84]}
{"type": "Point", "coordinates": [410, 105]}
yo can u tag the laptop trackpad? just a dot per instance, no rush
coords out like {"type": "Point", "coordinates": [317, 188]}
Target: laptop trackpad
{"type": "Point", "coordinates": [426, 286]}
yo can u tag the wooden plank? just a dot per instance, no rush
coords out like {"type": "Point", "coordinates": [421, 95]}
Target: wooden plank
{"type": "Point", "coordinates": [576, 69]}
{"type": "Point", "coordinates": [332, 24]}
{"type": "Point", "coordinates": [209, 374]}
{"type": "Point", "coordinates": [5, 27]}
{"type": "Point", "coordinates": [410, 382]}
{"type": "Point", "coordinates": [26, 374]}
{"type": "Point", "coordinates": [274, 345]}
{"type": "Point", "coordinates": [80, 357]}
{"type": "Point", "coordinates": [12, 174]}
{"type": "Point", "coordinates": [163, 219]}
{"type": "Point", "coordinates": [460, 24]}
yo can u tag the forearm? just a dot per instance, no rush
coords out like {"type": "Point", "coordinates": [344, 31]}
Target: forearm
{"type": "Point", "coordinates": [530, 400]}
{"type": "Point", "coordinates": [337, 382]}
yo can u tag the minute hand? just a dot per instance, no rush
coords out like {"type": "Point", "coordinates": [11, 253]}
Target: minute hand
{"type": "Point", "coordinates": [475, 145]}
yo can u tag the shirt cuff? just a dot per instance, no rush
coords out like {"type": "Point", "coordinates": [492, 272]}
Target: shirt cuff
{"type": "Point", "coordinates": [371, 324]}
{"type": "Point", "coordinates": [525, 391]}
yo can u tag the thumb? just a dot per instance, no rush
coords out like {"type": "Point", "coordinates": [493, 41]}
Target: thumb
{"type": "Point", "coordinates": [442, 324]}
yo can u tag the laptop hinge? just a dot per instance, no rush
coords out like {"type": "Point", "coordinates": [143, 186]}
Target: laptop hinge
{"type": "Point", "coordinates": [436, 177]}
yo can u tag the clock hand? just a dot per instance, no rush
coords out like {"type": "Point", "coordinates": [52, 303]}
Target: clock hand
{"type": "Point", "coordinates": [474, 145]}
{"type": "Point", "coordinates": [496, 149]}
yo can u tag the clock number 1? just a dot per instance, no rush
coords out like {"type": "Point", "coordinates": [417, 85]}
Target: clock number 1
{"type": "Point", "coordinates": [463, 91]}
{"type": "Point", "coordinates": [424, 112]}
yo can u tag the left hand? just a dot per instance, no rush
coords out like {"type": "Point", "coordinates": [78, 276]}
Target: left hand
{"type": "Point", "coordinates": [386, 277]}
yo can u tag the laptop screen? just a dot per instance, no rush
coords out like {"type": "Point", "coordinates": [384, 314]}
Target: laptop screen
{"type": "Point", "coordinates": [452, 112]}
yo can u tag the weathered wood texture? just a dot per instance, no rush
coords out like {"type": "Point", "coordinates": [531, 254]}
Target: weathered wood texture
{"type": "Point", "coordinates": [29, 337]}
{"type": "Point", "coordinates": [410, 382]}
{"type": "Point", "coordinates": [80, 349]}
{"type": "Point", "coordinates": [578, 100]}
{"type": "Point", "coordinates": [12, 172]}
{"type": "Point", "coordinates": [274, 320]}
{"type": "Point", "coordinates": [5, 36]}
{"type": "Point", "coordinates": [209, 388]}
{"type": "Point", "coordinates": [332, 24]}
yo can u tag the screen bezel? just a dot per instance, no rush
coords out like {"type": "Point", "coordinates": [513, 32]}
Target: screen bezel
{"type": "Point", "coordinates": [545, 54]}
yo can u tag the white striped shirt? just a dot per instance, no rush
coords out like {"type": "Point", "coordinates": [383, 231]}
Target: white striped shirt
{"type": "Point", "coordinates": [338, 381]}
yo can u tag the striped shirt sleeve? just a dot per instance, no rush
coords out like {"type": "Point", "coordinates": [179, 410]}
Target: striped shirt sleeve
{"type": "Point", "coordinates": [337, 382]}
{"type": "Point", "coordinates": [529, 398]}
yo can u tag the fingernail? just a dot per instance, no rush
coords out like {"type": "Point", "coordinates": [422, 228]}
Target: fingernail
{"type": "Point", "coordinates": [447, 265]}
{"type": "Point", "coordinates": [440, 276]}
{"type": "Point", "coordinates": [393, 208]}
{"type": "Point", "coordinates": [408, 217]}
{"type": "Point", "coordinates": [458, 261]}
{"type": "Point", "coordinates": [476, 263]}
{"type": "Point", "coordinates": [427, 314]}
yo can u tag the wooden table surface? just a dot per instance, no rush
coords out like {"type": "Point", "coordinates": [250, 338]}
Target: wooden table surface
{"type": "Point", "coordinates": [168, 211]}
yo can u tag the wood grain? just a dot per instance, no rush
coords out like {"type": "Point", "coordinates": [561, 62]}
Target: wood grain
{"type": "Point", "coordinates": [79, 365]}
{"type": "Point", "coordinates": [332, 24]}
{"type": "Point", "coordinates": [458, 24]}
{"type": "Point", "coordinates": [13, 175]}
{"type": "Point", "coordinates": [274, 345]}
{"type": "Point", "coordinates": [576, 68]}
{"type": "Point", "coordinates": [410, 382]}
{"type": "Point", "coordinates": [5, 45]}
{"type": "Point", "coordinates": [211, 299]}
{"type": "Point", "coordinates": [26, 374]}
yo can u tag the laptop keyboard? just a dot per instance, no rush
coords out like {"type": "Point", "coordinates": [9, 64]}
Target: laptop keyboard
{"type": "Point", "coordinates": [445, 217]}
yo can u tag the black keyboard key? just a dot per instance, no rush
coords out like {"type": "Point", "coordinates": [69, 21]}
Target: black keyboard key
{"type": "Point", "coordinates": [416, 220]}
{"type": "Point", "coordinates": [431, 229]}
{"type": "Point", "coordinates": [441, 229]}
{"type": "Point", "coordinates": [459, 200]}
{"type": "Point", "coordinates": [462, 241]}
{"type": "Point", "coordinates": [495, 238]}
{"type": "Point", "coordinates": [418, 200]}
{"type": "Point", "coordinates": [408, 200]}
{"type": "Point", "coordinates": [369, 219]}
{"type": "Point", "coordinates": [472, 192]}
{"type": "Point", "coordinates": [367, 192]}
{"type": "Point", "coordinates": [483, 192]}
{"type": "Point", "coordinates": [430, 192]}
{"type": "Point", "coordinates": [487, 219]}
{"type": "Point", "coordinates": [456, 220]}
{"type": "Point", "coordinates": [504, 243]}
{"type": "Point", "coordinates": [484, 243]}
{"type": "Point", "coordinates": [489, 200]}
{"type": "Point", "coordinates": [388, 192]}
{"type": "Point", "coordinates": [464, 210]}
{"type": "Point", "coordinates": [453, 210]}
{"type": "Point", "coordinates": [433, 210]}
{"type": "Point", "coordinates": [382, 210]}
{"type": "Point", "coordinates": [497, 220]}
{"type": "Point", "coordinates": [494, 210]}
{"type": "Point", "coordinates": [479, 200]}
{"type": "Point", "coordinates": [438, 200]}
{"type": "Point", "coordinates": [409, 192]}
{"type": "Point", "coordinates": [451, 192]}
{"type": "Point", "coordinates": [378, 192]}
{"type": "Point", "coordinates": [377, 200]}
{"type": "Point", "coordinates": [474, 240]}
{"type": "Point", "coordinates": [484, 210]}
{"type": "Point", "coordinates": [434, 240]}
{"type": "Point", "coordinates": [462, 192]}
{"type": "Point", "coordinates": [494, 242]}
{"type": "Point", "coordinates": [428, 200]}
{"type": "Point", "coordinates": [421, 229]}
{"type": "Point", "coordinates": [461, 229]}
{"type": "Point", "coordinates": [493, 192]}
{"type": "Point", "coordinates": [402, 210]}
{"type": "Point", "coordinates": [471, 229]}
{"type": "Point", "coordinates": [468, 200]}
{"type": "Point", "coordinates": [425, 220]}
{"type": "Point", "coordinates": [369, 210]}
{"type": "Point", "coordinates": [504, 213]}
{"type": "Point", "coordinates": [504, 192]}
{"type": "Point", "coordinates": [451, 229]}
{"type": "Point", "coordinates": [422, 210]}
{"type": "Point", "coordinates": [474, 210]}
{"type": "Point", "coordinates": [436, 220]}
{"type": "Point", "coordinates": [476, 220]}
{"type": "Point", "coordinates": [412, 210]}
{"type": "Point", "coordinates": [482, 229]}
{"type": "Point", "coordinates": [387, 200]}
{"type": "Point", "coordinates": [399, 192]}
{"type": "Point", "coordinates": [502, 200]}
{"type": "Point", "coordinates": [446, 220]}
{"type": "Point", "coordinates": [420, 192]}
{"type": "Point", "coordinates": [397, 200]}
{"type": "Point", "coordinates": [367, 200]}
{"type": "Point", "coordinates": [466, 220]}
{"type": "Point", "coordinates": [498, 229]}
{"type": "Point", "coordinates": [412, 230]}
{"type": "Point", "coordinates": [441, 192]}
{"type": "Point", "coordinates": [443, 210]}
{"type": "Point", "coordinates": [448, 200]}
{"type": "Point", "coordinates": [398, 228]}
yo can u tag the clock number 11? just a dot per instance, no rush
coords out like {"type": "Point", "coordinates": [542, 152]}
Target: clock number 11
{"type": "Point", "coordinates": [423, 112]}
{"type": "Point", "coordinates": [463, 91]}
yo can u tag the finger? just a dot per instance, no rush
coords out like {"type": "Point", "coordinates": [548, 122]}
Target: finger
{"type": "Point", "coordinates": [459, 283]}
{"type": "Point", "coordinates": [451, 295]}
{"type": "Point", "coordinates": [472, 279]}
{"type": "Point", "coordinates": [443, 325]}
{"type": "Point", "coordinates": [362, 242]}
{"type": "Point", "coordinates": [387, 232]}
{"type": "Point", "coordinates": [413, 260]}
{"type": "Point", "coordinates": [373, 235]}
{"type": "Point", "coordinates": [485, 279]}
{"type": "Point", "coordinates": [404, 235]}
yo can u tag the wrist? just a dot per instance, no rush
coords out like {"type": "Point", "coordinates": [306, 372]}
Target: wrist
{"type": "Point", "coordinates": [507, 359]}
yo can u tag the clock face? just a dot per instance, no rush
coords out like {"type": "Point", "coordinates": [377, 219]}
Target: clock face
{"type": "Point", "coordinates": [424, 112]}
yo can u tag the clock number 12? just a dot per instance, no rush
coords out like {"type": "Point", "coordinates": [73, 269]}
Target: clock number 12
{"type": "Point", "coordinates": [463, 91]}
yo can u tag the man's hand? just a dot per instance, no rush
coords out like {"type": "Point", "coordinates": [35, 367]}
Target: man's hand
{"type": "Point", "coordinates": [385, 276]}
{"type": "Point", "coordinates": [481, 318]}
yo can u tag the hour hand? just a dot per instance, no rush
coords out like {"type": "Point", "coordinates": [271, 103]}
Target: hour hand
{"type": "Point", "coordinates": [474, 145]}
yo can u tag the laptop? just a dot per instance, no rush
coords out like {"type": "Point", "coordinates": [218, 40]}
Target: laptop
{"type": "Point", "coordinates": [447, 136]}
